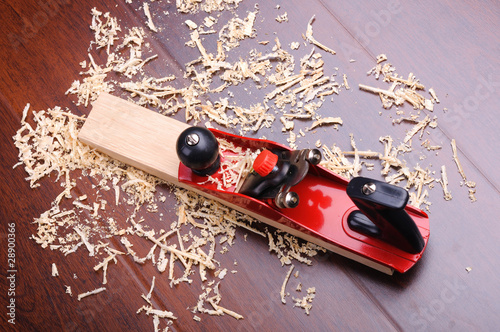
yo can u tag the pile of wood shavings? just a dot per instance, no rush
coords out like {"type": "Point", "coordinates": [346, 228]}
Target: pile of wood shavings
{"type": "Point", "coordinates": [401, 91]}
{"type": "Point", "coordinates": [418, 179]}
{"type": "Point", "coordinates": [169, 100]}
{"type": "Point", "coordinates": [96, 78]}
{"type": "Point", "coordinates": [237, 29]}
{"type": "Point", "coordinates": [308, 97]}
{"type": "Point", "coordinates": [306, 301]}
{"type": "Point", "coordinates": [52, 146]}
{"type": "Point", "coordinates": [288, 247]}
{"type": "Point", "coordinates": [235, 166]}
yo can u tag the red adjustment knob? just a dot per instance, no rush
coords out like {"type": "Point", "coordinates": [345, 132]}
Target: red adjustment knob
{"type": "Point", "coordinates": [265, 162]}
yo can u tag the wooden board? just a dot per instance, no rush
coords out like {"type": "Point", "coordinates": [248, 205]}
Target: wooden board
{"type": "Point", "coordinates": [134, 135]}
{"type": "Point", "coordinates": [147, 140]}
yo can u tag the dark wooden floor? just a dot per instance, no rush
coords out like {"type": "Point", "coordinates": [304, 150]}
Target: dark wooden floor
{"type": "Point", "coordinates": [451, 46]}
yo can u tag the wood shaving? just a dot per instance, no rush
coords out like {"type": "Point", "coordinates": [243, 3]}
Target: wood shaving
{"type": "Point", "coordinates": [55, 272]}
{"type": "Point", "coordinates": [92, 85]}
{"type": "Point", "coordinates": [96, 81]}
{"type": "Point", "coordinates": [150, 23]}
{"type": "Point", "coordinates": [217, 309]}
{"type": "Point", "coordinates": [309, 37]}
{"type": "Point", "coordinates": [420, 126]}
{"type": "Point", "coordinates": [444, 184]}
{"type": "Point", "coordinates": [334, 160]}
{"type": "Point", "coordinates": [92, 292]}
{"type": "Point", "coordinates": [191, 25]}
{"type": "Point", "coordinates": [288, 248]}
{"type": "Point", "coordinates": [433, 95]}
{"type": "Point", "coordinates": [104, 266]}
{"type": "Point", "coordinates": [105, 29]}
{"type": "Point", "coordinates": [294, 45]}
{"type": "Point", "coordinates": [157, 314]}
{"type": "Point", "coordinates": [325, 121]}
{"type": "Point", "coordinates": [356, 164]}
{"type": "Point", "coordinates": [427, 144]}
{"type": "Point", "coordinates": [283, 286]}
{"type": "Point", "coordinates": [381, 58]}
{"type": "Point", "coordinates": [306, 302]}
{"type": "Point", "coordinates": [346, 84]}
{"type": "Point", "coordinates": [282, 18]}
{"type": "Point", "coordinates": [470, 184]}
{"type": "Point", "coordinates": [236, 30]}
{"type": "Point", "coordinates": [456, 160]}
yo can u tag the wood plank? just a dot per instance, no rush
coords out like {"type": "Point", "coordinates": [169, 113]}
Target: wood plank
{"type": "Point", "coordinates": [134, 135]}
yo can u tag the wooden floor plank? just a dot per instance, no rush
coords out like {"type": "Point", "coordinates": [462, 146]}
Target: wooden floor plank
{"type": "Point", "coordinates": [452, 47]}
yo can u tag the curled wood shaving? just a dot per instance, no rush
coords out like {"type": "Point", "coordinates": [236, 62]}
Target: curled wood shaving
{"type": "Point", "coordinates": [381, 58]}
{"type": "Point", "coordinates": [309, 37]}
{"type": "Point", "coordinates": [105, 29]}
{"type": "Point", "coordinates": [96, 77]}
{"type": "Point", "coordinates": [334, 160]}
{"type": "Point", "coordinates": [236, 30]}
{"type": "Point", "coordinates": [92, 85]}
{"type": "Point", "coordinates": [288, 248]}
{"type": "Point", "coordinates": [236, 164]}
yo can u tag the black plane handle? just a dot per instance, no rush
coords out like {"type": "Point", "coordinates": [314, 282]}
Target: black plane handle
{"type": "Point", "coordinates": [382, 214]}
